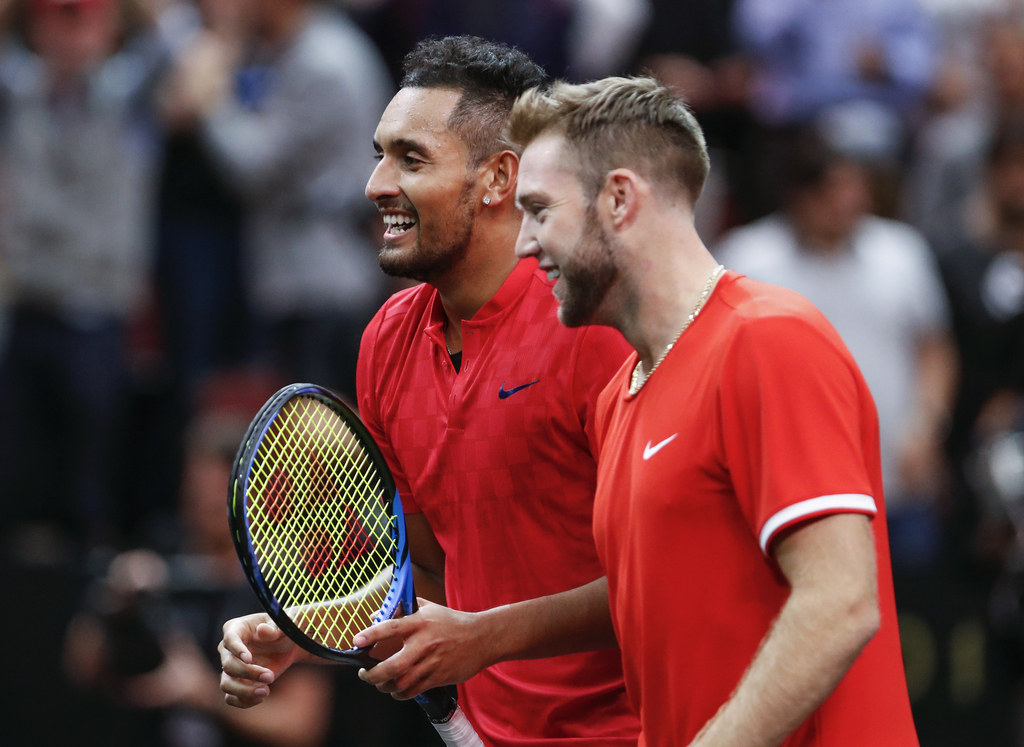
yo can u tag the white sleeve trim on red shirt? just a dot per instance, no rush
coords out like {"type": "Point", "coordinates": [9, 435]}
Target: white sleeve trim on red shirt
{"type": "Point", "coordinates": [853, 502]}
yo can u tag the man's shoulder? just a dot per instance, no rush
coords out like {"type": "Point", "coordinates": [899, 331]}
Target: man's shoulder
{"type": "Point", "coordinates": [753, 299]}
{"type": "Point", "coordinates": [401, 315]}
{"type": "Point", "coordinates": [762, 311]}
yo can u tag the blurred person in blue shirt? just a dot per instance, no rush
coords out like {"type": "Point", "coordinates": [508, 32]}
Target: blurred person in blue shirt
{"type": "Point", "coordinates": [286, 104]}
{"type": "Point", "coordinates": [858, 69]}
{"type": "Point", "coordinates": [814, 54]}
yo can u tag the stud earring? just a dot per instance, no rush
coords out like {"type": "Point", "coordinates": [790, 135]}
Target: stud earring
{"type": "Point", "coordinates": [487, 201]}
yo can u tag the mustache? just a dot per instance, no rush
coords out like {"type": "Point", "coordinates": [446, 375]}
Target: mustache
{"type": "Point", "coordinates": [394, 203]}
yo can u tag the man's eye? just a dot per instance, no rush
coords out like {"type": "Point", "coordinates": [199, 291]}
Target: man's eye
{"type": "Point", "coordinates": [410, 161]}
{"type": "Point", "coordinates": [378, 156]}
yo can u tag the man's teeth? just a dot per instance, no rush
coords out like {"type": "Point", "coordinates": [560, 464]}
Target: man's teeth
{"type": "Point", "coordinates": [398, 223]}
{"type": "Point", "coordinates": [554, 274]}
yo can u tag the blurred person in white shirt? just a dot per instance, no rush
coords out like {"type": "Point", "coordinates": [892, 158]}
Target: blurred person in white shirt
{"type": "Point", "coordinates": [877, 283]}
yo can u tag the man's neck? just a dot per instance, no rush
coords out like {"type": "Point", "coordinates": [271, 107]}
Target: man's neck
{"type": "Point", "coordinates": [477, 278]}
{"type": "Point", "coordinates": [673, 274]}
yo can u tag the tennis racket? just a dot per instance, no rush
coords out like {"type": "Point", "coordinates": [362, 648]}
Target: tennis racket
{"type": "Point", "coordinates": [319, 529]}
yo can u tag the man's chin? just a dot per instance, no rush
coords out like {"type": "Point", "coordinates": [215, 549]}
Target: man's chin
{"type": "Point", "coordinates": [572, 316]}
{"type": "Point", "coordinates": [396, 263]}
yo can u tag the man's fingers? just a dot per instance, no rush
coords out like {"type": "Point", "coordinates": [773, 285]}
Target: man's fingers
{"type": "Point", "coordinates": [233, 643]}
{"type": "Point", "coordinates": [389, 669]}
{"type": "Point", "coordinates": [242, 693]}
{"type": "Point", "coordinates": [235, 667]}
{"type": "Point", "coordinates": [411, 684]}
{"type": "Point", "coordinates": [268, 632]}
{"type": "Point", "coordinates": [402, 627]}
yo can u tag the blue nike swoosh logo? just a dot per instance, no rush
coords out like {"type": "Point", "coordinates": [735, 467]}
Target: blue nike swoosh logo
{"type": "Point", "coordinates": [505, 393]}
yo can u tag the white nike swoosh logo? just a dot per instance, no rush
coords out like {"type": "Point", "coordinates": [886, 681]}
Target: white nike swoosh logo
{"type": "Point", "coordinates": [650, 451]}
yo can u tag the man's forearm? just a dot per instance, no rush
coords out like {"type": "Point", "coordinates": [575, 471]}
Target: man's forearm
{"type": "Point", "coordinates": [800, 662]}
{"type": "Point", "coordinates": [428, 585]}
{"type": "Point", "coordinates": [831, 614]}
{"type": "Point", "coordinates": [443, 646]}
{"type": "Point", "coordinates": [565, 623]}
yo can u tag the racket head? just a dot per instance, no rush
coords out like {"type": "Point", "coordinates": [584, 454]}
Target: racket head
{"type": "Point", "coordinates": [318, 524]}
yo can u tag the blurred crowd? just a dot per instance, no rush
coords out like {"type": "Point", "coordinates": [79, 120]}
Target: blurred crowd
{"type": "Point", "coordinates": [183, 229]}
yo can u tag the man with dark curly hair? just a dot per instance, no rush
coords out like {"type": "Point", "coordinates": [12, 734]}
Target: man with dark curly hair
{"type": "Point", "coordinates": [482, 404]}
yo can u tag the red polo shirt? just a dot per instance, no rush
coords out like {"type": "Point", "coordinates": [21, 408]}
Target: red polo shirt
{"type": "Point", "coordinates": [499, 459]}
{"type": "Point", "coordinates": [758, 419]}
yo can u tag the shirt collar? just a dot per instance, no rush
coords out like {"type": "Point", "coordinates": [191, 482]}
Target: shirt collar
{"type": "Point", "coordinates": [514, 286]}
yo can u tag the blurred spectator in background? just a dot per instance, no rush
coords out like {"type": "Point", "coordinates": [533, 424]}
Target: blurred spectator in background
{"type": "Point", "coordinates": [690, 46]}
{"type": "Point", "coordinates": [149, 636]}
{"type": "Point", "coordinates": [816, 54]}
{"type": "Point", "coordinates": [860, 69]}
{"type": "Point", "coordinates": [200, 320]}
{"type": "Point", "coordinates": [574, 39]}
{"type": "Point", "coordinates": [945, 185]}
{"type": "Point", "coordinates": [78, 152]}
{"type": "Point", "coordinates": [288, 113]}
{"type": "Point", "coordinates": [877, 283]}
{"type": "Point", "coordinates": [199, 251]}
{"type": "Point", "coordinates": [985, 278]}
{"type": "Point", "coordinates": [984, 275]}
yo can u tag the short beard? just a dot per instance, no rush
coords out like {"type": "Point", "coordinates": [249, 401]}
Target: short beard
{"type": "Point", "coordinates": [434, 256]}
{"type": "Point", "coordinates": [589, 276]}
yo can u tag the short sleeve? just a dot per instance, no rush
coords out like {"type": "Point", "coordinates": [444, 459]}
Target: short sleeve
{"type": "Point", "coordinates": [793, 426]}
{"type": "Point", "coordinates": [601, 353]}
{"type": "Point", "coordinates": [369, 408]}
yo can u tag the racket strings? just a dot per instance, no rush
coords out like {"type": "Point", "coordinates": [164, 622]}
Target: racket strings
{"type": "Point", "coordinates": [318, 523]}
{"type": "Point", "coordinates": [318, 553]}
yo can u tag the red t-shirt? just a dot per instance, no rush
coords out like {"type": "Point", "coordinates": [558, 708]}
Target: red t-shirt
{"type": "Point", "coordinates": [757, 419]}
{"type": "Point", "coordinates": [499, 460]}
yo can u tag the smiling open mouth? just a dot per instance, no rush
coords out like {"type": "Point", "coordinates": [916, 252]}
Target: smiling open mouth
{"type": "Point", "coordinates": [397, 224]}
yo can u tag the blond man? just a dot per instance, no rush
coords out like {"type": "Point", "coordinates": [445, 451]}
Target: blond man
{"type": "Point", "coordinates": [739, 512]}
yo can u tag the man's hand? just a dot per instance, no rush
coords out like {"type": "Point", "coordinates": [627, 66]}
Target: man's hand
{"type": "Point", "coordinates": [442, 646]}
{"type": "Point", "coordinates": [253, 654]}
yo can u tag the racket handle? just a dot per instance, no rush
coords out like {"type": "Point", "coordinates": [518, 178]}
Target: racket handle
{"type": "Point", "coordinates": [458, 732]}
{"type": "Point", "coordinates": [449, 720]}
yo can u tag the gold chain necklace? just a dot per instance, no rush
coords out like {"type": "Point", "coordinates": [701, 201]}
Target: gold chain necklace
{"type": "Point", "coordinates": [636, 383]}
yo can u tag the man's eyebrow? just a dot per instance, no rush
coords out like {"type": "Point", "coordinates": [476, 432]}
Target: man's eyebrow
{"type": "Point", "coordinates": [528, 200]}
{"type": "Point", "coordinates": [403, 143]}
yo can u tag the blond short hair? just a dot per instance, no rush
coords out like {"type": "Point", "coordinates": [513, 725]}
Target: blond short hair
{"type": "Point", "coordinates": [633, 123]}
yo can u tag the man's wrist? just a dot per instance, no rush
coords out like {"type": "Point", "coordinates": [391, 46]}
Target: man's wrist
{"type": "Point", "coordinates": [497, 635]}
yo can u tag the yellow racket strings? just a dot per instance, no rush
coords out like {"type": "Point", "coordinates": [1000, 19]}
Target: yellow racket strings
{"type": "Point", "coordinates": [319, 527]}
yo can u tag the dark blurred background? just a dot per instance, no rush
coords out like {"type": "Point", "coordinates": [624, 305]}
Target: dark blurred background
{"type": "Point", "coordinates": [183, 230]}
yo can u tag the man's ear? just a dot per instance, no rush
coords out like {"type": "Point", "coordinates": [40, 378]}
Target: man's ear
{"type": "Point", "coordinates": [499, 174]}
{"type": "Point", "coordinates": [620, 198]}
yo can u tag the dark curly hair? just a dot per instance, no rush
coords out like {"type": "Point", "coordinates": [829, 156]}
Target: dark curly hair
{"type": "Point", "coordinates": [490, 75]}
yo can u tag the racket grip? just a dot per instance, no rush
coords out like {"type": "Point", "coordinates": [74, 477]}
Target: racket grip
{"type": "Point", "coordinates": [458, 732]}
